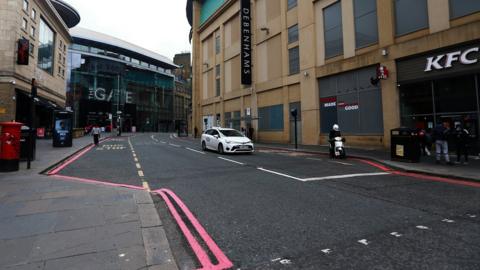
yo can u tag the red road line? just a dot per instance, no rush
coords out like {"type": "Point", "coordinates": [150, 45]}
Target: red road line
{"type": "Point", "coordinates": [73, 159]}
{"type": "Point", "coordinates": [438, 179]}
{"type": "Point", "coordinates": [197, 249]}
{"type": "Point", "coordinates": [420, 175]}
{"type": "Point", "coordinates": [92, 181]}
{"type": "Point", "coordinates": [223, 261]}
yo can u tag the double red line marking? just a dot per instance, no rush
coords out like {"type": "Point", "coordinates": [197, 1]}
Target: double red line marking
{"type": "Point", "coordinates": [202, 256]}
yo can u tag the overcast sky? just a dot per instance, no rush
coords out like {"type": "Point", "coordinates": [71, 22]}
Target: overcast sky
{"type": "Point", "coordinates": [158, 25]}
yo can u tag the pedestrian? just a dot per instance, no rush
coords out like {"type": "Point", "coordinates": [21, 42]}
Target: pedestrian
{"type": "Point", "coordinates": [96, 134]}
{"type": "Point", "coordinates": [422, 136]}
{"type": "Point", "coordinates": [440, 135]}
{"type": "Point", "coordinates": [461, 140]}
{"type": "Point", "coordinates": [334, 132]}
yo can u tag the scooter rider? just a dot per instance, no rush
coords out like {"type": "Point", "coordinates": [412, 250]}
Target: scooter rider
{"type": "Point", "coordinates": [335, 132]}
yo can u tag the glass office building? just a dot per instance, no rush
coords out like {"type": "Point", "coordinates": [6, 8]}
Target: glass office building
{"type": "Point", "coordinates": [111, 81]}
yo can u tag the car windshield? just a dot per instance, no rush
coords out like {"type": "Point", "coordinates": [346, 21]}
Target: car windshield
{"type": "Point", "coordinates": [231, 133]}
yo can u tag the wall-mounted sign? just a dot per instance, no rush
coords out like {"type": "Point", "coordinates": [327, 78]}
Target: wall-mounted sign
{"type": "Point", "coordinates": [442, 61]}
{"type": "Point", "coordinates": [102, 94]}
{"type": "Point", "coordinates": [382, 73]}
{"type": "Point", "coordinates": [348, 106]}
{"type": "Point", "coordinates": [328, 102]}
{"type": "Point", "coordinates": [246, 43]}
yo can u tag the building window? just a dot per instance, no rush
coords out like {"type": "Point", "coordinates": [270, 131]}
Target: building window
{"type": "Point", "coordinates": [217, 44]}
{"type": "Point", "coordinates": [217, 80]}
{"type": "Point", "coordinates": [25, 5]}
{"type": "Point", "coordinates": [32, 31]}
{"type": "Point", "coordinates": [292, 4]}
{"type": "Point", "coordinates": [332, 21]}
{"type": "Point", "coordinates": [46, 47]}
{"type": "Point", "coordinates": [460, 8]}
{"type": "Point", "coordinates": [270, 118]}
{"type": "Point", "coordinates": [293, 34]}
{"type": "Point", "coordinates": [293, 60]}
{"type": "Point", "coordinates": [31, 48]}
{"type": "Point", "coordinates": [33, 14]}
{"type": "Point", "coordinates": [24, 24]}
{"type": "Point", "coordinates": [366, 30]}
{"type": "Point", "coordinates": [410, 16]}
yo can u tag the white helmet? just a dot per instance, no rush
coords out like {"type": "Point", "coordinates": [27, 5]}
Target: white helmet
{"type": "Point", "coordinates": [335, 127]}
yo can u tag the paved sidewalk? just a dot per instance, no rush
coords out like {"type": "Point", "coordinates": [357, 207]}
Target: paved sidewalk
{"type": "Point", "coordinates": [426, 165]}
{"type": "Point", "coordinates": [49, 223]}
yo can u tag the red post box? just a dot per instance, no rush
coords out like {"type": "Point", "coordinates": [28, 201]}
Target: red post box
{"type": "Point", "coordinates": [10, 146]}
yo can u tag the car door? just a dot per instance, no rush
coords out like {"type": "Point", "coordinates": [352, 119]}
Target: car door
{"type": "Point", "coordinates": [214, 139]}
{"type": "Point", "coordinates": [208, 137]}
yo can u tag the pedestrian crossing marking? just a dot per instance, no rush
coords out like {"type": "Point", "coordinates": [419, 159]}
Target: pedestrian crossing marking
{"type": "Point", "coordinates": [111, 147]}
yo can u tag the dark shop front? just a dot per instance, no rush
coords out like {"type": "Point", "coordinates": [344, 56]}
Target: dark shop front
{"type": "Point", "coordinates": [442, 86]}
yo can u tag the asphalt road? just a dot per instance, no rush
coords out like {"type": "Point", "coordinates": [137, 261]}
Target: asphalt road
{"type": "Point", "coordinates": [281, 210]}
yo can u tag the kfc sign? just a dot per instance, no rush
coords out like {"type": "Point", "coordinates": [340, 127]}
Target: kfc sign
{"type": "Point", "coordinates": [445, 61]}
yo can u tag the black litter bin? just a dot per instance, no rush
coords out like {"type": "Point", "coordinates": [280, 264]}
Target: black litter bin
{"type": "Point", "coordinates": [405, 145]}
{"type": "Point", "coordinates": [24, 140]}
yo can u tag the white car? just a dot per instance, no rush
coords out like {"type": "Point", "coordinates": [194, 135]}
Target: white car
{"type": "Point", "coordinates": [226, 140]}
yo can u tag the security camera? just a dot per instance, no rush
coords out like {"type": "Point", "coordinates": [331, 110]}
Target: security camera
{"type": "Point", "coordinates": [14, 98]}
{"type": "Point", "coordinates": [13, 82]}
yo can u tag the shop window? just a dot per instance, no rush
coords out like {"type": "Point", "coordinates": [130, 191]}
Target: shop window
{"type": "Point", "coordinates": [455, 95]}
{"type": "Point", "coordinates": [236, 120]}
{"type": "Point", "coordinates": [293, 34]}
{"type": "Point", "coordinates": [46, 47]}
{"type": "Point", "coordinates": [291, 4]}
{"type": "Point", "coordinates": [366, 30]}
{"type": "Point", "coordinates": [332, 21]}
{"type": "Point", "coordinates": [32, 32]}
{"type": "Point", "coordinates": [217, 80]}
{"type": "Point", "coordinates": [346, 101]}
{"type": "Point", "coordinates": [271, 118]}
{"type": "Point", "coordinates": [227, 118]}
{"type": "Point", "coordinates": [410, 16]}
{"type": "Point", "coordinates": [416, 99]}
{"type": "Point", "coordinates": [459, 8]}
{"type": "Point", "coordinates": [33, 14]}
{"type": "Point", "coordinates": [293, 60]}
{"type": "Point", "coordinates": [31, 48]}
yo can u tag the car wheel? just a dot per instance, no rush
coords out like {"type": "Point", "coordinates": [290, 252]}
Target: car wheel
{"type": "Point", "coordinates": [204, 146]}
{"type": "Point", "coordinates": [220, 149]}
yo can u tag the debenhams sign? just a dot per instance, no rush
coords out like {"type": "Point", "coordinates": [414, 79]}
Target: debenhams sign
{"type": "Point", "coordinates": [246, 43]}
{"type": "Point", "coordinates": [444, 61]}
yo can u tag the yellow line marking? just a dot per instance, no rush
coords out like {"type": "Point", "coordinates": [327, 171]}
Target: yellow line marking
{"type": "Point", "coordinates": [138, 165]}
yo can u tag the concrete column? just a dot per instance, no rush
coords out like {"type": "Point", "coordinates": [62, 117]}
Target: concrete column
{"type": "Point", "coordinates": [390, 102]}
{"type": "Point", "coordinates": [438, 15]}
{"type": "Point", "coordinates": [348, 29]}
{"type": "Point", "coordinates": [386, 25]}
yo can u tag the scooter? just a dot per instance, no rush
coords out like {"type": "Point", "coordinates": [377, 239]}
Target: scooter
{"type": "Point", "coordinates": [338, 148]}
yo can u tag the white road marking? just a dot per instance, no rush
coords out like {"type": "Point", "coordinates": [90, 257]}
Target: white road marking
{"type": "Point", "coordinates": [344, 176]}
{"type": "Point", "coordinates": [281, 174]}
{"type": "Point", "coordinates": [135, 159]}
{"type": "Point", "coordinates": [276, 259]}
{"type": "Point", "coordinates": [121, 255]}
{"type": "Point", "coordinates": [316, 159]}
{"type": "Point", "coordinates": [421, 227]}
{"type": "Point", "coordinates": [145, 185]}
{"type": "Point", "coordinates": [396, 234]}
{"type": "Point", "coordinates": [448, 220]}
{"type": "Point", "coordinates": [196, 151]}
{"type": "Point", "coordinates": [285, 261]}
{"type": "Point", "coordinates": [343, 163]}
{"type": "Point", "coordinates": [233, 161]}
{"type": "Point", "coordinates": [174, 145]}
{"type": "Point", "coordinates": [140, 173]}
{"type": "Point", "coordinates": [363, 242]}
{"type": "Point", "coordinates": [326, 251]}
{"type": "Point", "coordinates": [471, 215]}
{"type": "Point", "coordinates": [153, 138]}
{"type": "Point", "coordinates": [138, 165]}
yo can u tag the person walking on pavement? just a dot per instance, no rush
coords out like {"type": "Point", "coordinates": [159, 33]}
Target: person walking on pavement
{"type": "Point", "coordinates": [422, 135]}
{"type": "Point", "coordinates": [96, 134]}
{"type": "Point", "coordinates": [461, 141]}
{"type": "Point", "coordinates": [440, 134]}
